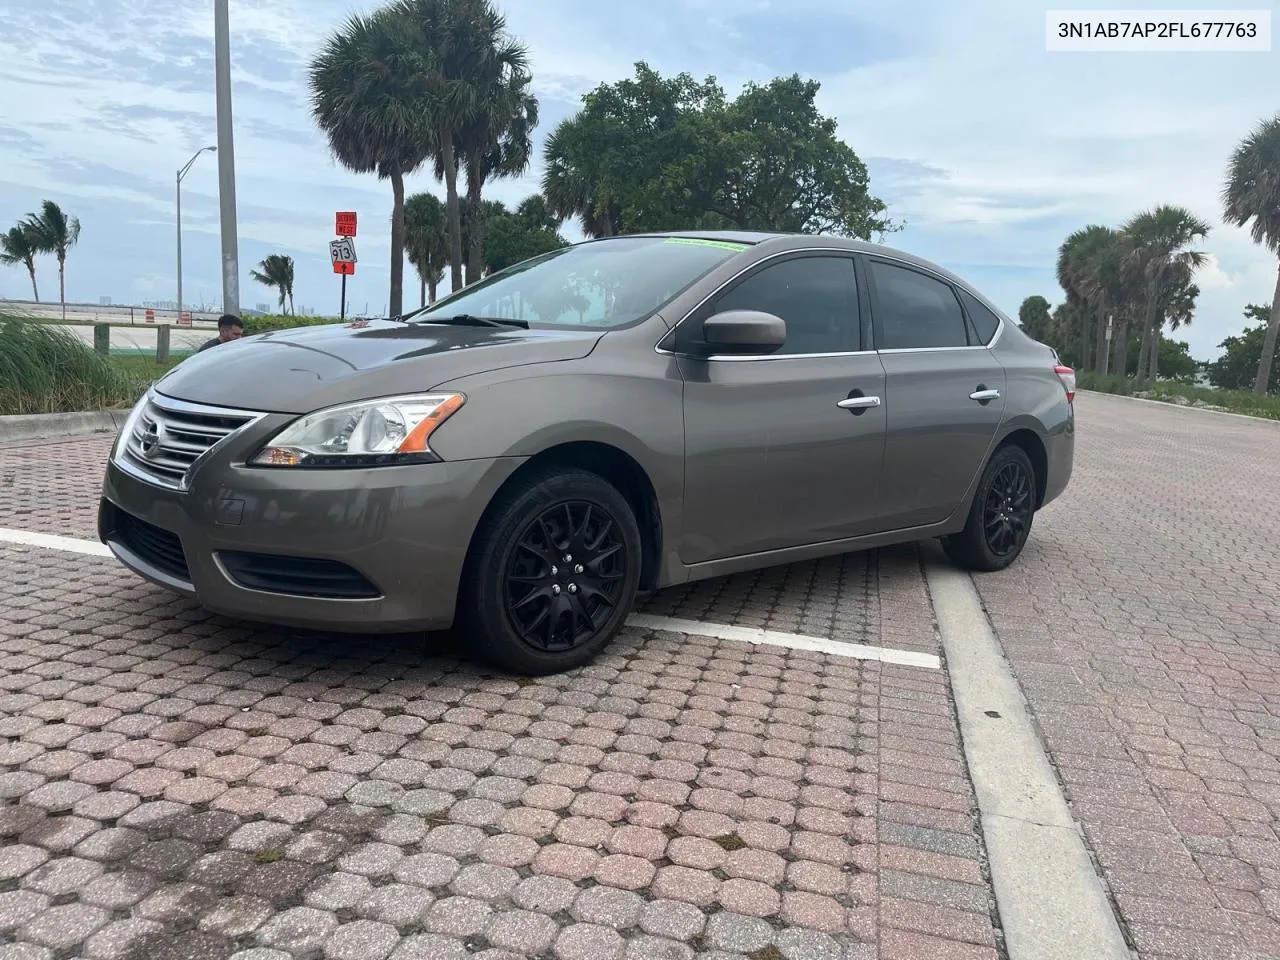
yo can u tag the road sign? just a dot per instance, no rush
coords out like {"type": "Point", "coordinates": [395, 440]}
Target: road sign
{"type": "Point", "coordinates": [342, 251]}
{"type": "Point", "coordinates": [345, 223]}
{"type": "Point", "coordinates": [345, 267]}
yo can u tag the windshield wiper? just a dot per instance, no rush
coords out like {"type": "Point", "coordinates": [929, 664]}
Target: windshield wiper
{"type": "Point", "coordinates": [471, 320]}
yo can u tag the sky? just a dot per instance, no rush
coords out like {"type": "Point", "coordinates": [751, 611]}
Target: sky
{"type": "Point", "coordinates": [988, 149]}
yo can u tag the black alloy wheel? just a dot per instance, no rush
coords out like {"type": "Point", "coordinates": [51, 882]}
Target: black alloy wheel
{"type": "Point", "coordinates": [1008, 508]}
{"type": "Point", "coordinates": [565, 576]}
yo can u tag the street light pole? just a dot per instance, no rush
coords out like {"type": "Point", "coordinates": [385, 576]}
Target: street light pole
{"type": "Point", "coordinates": [182, 173]}
{"type": "Point", "coordinates": [226, 159]}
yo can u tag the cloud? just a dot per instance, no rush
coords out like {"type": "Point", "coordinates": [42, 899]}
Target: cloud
{"type": "Point", "coordinates": [988, 147]}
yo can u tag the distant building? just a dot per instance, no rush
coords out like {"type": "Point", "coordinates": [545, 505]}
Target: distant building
{"type": "Point", "coordinates": [262, 307]}
{"type": "Point", "coordinates": [104, 301]}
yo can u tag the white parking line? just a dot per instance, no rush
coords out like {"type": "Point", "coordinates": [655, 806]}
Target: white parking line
{"type": "Point", "coordinates": [644, 621]}
{"type": "Point", "coordinates": [792, 641]}
{"type": "Point", "coordinates": [51, 541]}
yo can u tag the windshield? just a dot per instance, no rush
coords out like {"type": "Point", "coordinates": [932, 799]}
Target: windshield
{"type": "Point", "coordinates": [604, 283]}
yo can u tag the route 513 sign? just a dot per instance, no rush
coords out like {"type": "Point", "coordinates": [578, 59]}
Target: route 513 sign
{"type": "Point", "coordinates": [342, 251]}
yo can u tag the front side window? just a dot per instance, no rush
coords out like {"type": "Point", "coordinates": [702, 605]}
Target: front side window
{"type": "Point", "coordinates": [914, 311]}
{"type": "Point", "coordinates": [598, 284]}
{"type": "Point", "coordinates": [816, 296]}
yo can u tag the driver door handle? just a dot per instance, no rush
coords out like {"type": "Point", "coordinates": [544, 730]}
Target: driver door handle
{"type": "Point", "coordinates": [858, 403]}
{"type": "Point", "coordinates": [984, 395]}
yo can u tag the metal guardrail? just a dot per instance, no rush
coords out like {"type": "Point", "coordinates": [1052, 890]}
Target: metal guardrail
{"type": "Point", "coordinates": [104, 313]}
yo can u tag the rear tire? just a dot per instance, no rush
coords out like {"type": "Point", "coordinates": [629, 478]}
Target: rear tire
{"type": "Point", "coordinates": [1000, 516]}
{"type": "Point", "coordinates": [552, 573]}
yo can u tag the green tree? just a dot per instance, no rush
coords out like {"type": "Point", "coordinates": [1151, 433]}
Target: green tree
{"type": "Point", "coordinates": [55, 232]}
{"type": "Point", "coordinates": [1158, 263]}
{"type": "Point", "coordinates": [469, 79]}
{"type": "Point", "coordinates": [516, 236]}
{"type": "Point", "coordinates": [367, 95]}
{"type": "Point", "coordinates": [655, 153]}
{"type": "Point", "coordinates": [1034, 317]}
{"type": "Point", "coordinates": [1237, 368]}
{"type": "Point", "coordinates": [20, 245]}
{"type": "Point", "coordinates": [276, 271]}
{"type": "Point", "coordinates": [1251, 197]}
{"type": "Point", "coordinates": [427, 241]}
{"type": "Point", "coordinates": [496, 141]}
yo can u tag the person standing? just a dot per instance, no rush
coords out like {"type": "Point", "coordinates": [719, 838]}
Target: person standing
{"type": "Point", "coordinates": [230, 327]}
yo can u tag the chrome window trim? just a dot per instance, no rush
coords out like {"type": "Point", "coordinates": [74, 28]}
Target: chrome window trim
{"type": "Point", "coordinates": [851, 254]}
{"type": "Point", "coordinates": [173, 405]}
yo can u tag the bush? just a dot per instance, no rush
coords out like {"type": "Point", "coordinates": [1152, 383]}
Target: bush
{"type": "Point", "coordinates": [46, 369]}
{"type": "Point", "coordinates": [277, 321]}
{"type": "Point", "coordinates": [1185, 395]}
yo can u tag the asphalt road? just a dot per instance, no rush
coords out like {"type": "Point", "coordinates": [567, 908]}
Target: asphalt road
{"type": "Point", "coordinates": [178, 784]}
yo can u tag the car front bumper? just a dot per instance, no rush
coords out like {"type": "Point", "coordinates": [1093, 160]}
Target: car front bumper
{"type": "Point", "coordinates": [376, 550]}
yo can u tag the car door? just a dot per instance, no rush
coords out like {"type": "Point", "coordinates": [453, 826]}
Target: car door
{"type": "Point", "coordinates": [784, 449]}
{"type": "Point", "coordinates": [944, 392]}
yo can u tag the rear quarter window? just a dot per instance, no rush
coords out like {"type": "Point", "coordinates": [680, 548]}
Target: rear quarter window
{"type": "Point", "coordinates": [984, 321]}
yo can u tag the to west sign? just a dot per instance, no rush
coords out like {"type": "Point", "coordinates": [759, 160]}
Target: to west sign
{"type": "Point", "coordinates": [345, 224]}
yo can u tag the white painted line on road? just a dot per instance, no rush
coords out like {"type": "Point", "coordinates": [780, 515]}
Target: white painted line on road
{"type": "Point", "coordinates": [721, 631]}
{"type": "Point", "coordinates": [792, 641]}
{"type": "Point", "coordinates": [1051, 901]}
{"type": "Point", "coordinates": [51, 541]}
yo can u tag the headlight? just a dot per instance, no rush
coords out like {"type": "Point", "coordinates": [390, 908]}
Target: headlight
{"type": "Point", "coordinates": [130, 424]}
{"type": "Point", "coordinates": [370, 433]}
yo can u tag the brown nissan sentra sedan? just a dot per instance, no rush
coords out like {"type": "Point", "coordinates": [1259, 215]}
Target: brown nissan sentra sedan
{"type": "Point", "coordinates": [628, 413]}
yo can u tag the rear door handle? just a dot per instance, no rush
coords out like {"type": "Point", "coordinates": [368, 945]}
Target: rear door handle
{"type": "Point", "coordinates": [982, 395]}
{"type": "Point", "coordinates": [858, 403]}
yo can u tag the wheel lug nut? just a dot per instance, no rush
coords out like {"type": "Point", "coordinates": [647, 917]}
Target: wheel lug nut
{"type": "Point", "coordinates": [555, 589]}
{"type": "Point", "coordinates": [568, 558]}
{"type": "Point", "coordinates": [573, 588]}
{"type": "Point", "coordinates": [555, 571]}
{"type": "Point", "coordinates": [577, 568]}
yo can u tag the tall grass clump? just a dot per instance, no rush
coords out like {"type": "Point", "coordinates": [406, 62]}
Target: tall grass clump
{"type": "Point", "coordinates": [46, 369]}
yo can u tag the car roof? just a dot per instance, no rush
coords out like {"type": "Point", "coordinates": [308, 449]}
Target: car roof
{"type": "Point", "coordinates": [784, 241]}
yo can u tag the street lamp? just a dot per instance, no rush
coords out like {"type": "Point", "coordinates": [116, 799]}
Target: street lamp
{"type": "Point", "coordinates": [182, 173]}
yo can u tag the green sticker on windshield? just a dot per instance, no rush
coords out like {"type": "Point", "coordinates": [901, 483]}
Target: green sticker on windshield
{"type": "Point", "coordinates": [698, 242]}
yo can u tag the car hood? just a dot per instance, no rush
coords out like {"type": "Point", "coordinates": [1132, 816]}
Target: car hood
{"type": "Point", "coordinates": [303, 369]}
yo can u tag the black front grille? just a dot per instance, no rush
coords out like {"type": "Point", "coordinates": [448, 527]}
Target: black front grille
{"type": "Point", "coordinates": [298, 576]}
{"type": "Point", "coordinates": [160, 548]}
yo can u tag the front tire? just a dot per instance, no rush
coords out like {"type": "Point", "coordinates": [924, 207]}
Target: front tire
{"type": "Point", "coordinates": [1000, 516]}
{"type": "Point", "coordinates": [552, 574]}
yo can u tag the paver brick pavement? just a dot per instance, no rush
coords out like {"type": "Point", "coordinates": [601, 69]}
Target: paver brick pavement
{"type": "Point", "coordinates": [175, 784]}
{"type": "Point", "coordinates": [1143, 624]}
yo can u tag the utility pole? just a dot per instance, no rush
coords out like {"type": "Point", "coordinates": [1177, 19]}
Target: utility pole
{"type": "Point", "coordinates": [226, 159]}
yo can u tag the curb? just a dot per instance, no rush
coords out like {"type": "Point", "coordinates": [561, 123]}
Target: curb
{"type": "Point", "coordinates": [1179, 406]}
{"type": "Point", "coordinates": [38, 426]}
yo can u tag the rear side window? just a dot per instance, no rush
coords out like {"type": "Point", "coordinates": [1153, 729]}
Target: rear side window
{"type": "Point", "coordinates": [816, 296]}
{"type": "Point", "coordinates": [984, 321]}
{"type": "Point", "coordinates": [915, 311]}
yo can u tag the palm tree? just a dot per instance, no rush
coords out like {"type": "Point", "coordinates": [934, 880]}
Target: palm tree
{"type": "Point", "coordinates": [459, 42]}
{"type": "Point", "coordinates": [1158, 261]}
{"type": "Point", "coordinates": [1083, 268]}
{"type": "Point", "coordinates": [55, 233]}
{"type": "Point", "coordinates": [570, 188]}
{"type": "Point", "coordinates": [20, 245]}
{"type": "Point", "coordinates": [497, 141]}
{"type": "Point", "coordinates": [276, 270]}
{"type": "Point", "coordinates": [426, 241]}
{"type": "Point", "coordinates": [367, 95]}
{"type": "Point", "coordinates": [1252, 193]}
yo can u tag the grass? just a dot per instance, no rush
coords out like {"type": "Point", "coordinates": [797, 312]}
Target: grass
{"type": "Point", "coordinates": [47, 369]}
{"type": "Point", "coordinates": [1186, 394]}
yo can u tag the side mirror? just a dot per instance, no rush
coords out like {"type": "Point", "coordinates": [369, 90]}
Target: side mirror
{"type": "Point", "coordinates": [744, 332]}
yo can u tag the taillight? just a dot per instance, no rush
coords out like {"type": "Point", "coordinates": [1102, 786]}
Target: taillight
{"type": "Point", "coordinates": [1068, 378]}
